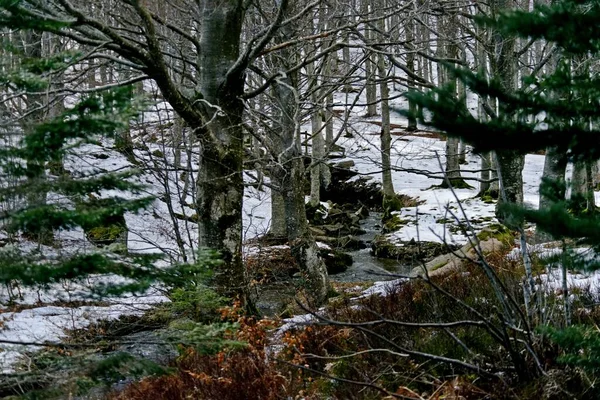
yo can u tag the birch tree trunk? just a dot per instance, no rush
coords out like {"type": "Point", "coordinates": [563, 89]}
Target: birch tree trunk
{"type": "Point", "coordinates": [386, 137]}
{"type": "Point", "coordinates": [389, 194]}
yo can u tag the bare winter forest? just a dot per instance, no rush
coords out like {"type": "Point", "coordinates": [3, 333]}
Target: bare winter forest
{"type": "Point", "coordinates": [344, 199]}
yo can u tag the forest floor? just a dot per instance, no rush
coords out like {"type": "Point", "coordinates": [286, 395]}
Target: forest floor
{"type": "Point", "coordinates": [44, 314]}
{"type": "Point", "coordinates": [47, 314]}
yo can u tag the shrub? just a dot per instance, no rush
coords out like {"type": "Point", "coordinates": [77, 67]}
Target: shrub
{"type": "Point", "coordinates": [230, 374]}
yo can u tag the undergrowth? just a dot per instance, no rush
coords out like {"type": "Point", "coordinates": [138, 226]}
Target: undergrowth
{"type": "Point", "coordinates": [229, 374]}
{"type": "Point", "coordinates": [381, 347]}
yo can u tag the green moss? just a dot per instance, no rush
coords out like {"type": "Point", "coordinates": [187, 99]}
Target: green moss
{"type": "Point", "coordinates": [438, 266]}
{"type": "Point", "coordinates": [487, 199]}
{"type": "Point", "coordinates": [105, 233]}
{"type": "Point", "coordinates": [498, 232]}
{"type": "Point", "coordinates": [331, 293]}
{"type": "Point", "coordinates": [489, 196]}
{"type": "Point", "coordinates": [393, 223]}
{"type": "Point", "coordinates": [392, 203]}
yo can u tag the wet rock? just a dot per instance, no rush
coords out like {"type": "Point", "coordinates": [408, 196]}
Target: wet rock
{"type": "Point", "coordinates": [357, 192]}
{"type": "Point", "coordinates": [344, 165]}
{"type": "Point", "coordinates": [408, 253]}
{"type": "Point", "coordinates": [348, 242]}
{"type": "Point", "coordinates": [335, 261]}
{"type": "Point", "coordinates": [335, 221]}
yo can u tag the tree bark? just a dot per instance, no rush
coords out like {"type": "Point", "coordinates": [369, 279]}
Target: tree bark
{"type": "Point", "coordinates": [411, 65]}
{"type": "Point", "coordinates": [288, 177]}
{"type": "Point", "coordinates": [386, 137]}
{"type": "Point", "coordinates": [485, 175]}
{"type": "Point", "coordinates": [287, 173]}
{"type": "Point", "coordinates": [220, 188]}
{"type": "Point", "coordinates": [510, 163]}
{"type": "Point", "coordinates": [370, 69]}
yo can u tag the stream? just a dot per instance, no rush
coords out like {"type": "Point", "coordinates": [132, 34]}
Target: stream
{"type": "Point", "coordinates": [366, 267]}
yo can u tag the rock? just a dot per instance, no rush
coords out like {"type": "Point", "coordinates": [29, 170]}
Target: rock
{"type": "Point", "coordinates": [351, 243]}
{"type": "Point", "coordinates": [335, 261]}
{"type": "Point", "coordinates": [344, 164]}
{"type": "Point", "coordinates": [358, 192]}
{"type": "Point", "coordinates": [317, 232]}
{"type": "Point", "coordinates": [335, 229]}
{"type": "Point", "coordinates": [449, 262]}
{"type": "Point", "coordinates": [362, 213]}
{"type": "Point", "coordinates": [317, 215]}
{"type": "Point", "coordinates": [348, 242]}
{"type": "Point", "coordinates": [113, 230]}
{"type": "Point", "coordinates": [408, 253]}
{"type": "Point", "coordinates": [393, 223]}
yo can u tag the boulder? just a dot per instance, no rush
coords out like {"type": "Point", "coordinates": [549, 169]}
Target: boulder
{"type": "Point", "coordinates": [408, 253]}
{"type": "Point", "coordinates": [335, 261]}
{"type": "Point", "coordinates": [453, 261]}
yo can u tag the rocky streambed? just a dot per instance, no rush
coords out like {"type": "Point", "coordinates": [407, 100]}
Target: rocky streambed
{"type": "Point", "coordinates": [348, 227]}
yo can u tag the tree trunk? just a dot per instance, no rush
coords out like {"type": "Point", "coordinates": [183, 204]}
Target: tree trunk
{"type": "Point", "coordinates": [410, 64]}
{"type": "Point", "coordinates": [452, 172]}
{"type": "Point", "coordinates": [554, 170]}
{"type": "Point", "coordinates": [581, 201]}
{"type": "Point", "coordinates": [288, 176]}
{"type": "Point", "coordinates": [510, 163]}
{"type": "Point", "coordinates": [370, 69]}
{"type": "Point", "coordinates": [510, 171]}
{"type": "Point", "coordinates": [485, 175]}
{"type": "Point", "coordinates": [278, 228]}
{"type": "Point", "coordinates": [448, 26]}
{"type": "Point", "coordinates": [220, 186]}
{"type": "Point", "coordinates": [318, 146]}
{"type": "Point", "coordinates": [386, 137]}
{"type": "Point", "coordinates": [36, 107]}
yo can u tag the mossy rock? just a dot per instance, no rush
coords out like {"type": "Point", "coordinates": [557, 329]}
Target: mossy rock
{"type": "Point", "coordinates": [409, 253]}
{"type": "Point", "coordinates": [487, 198]}
{"type": "Point", "coordinates": [108, 231]}
{"type": "Point", "coordinates": [498, 232]}
{"type": "Point", "coordinates": [396, 203]}
{"type": "Point", "coordinates": [391, 204]}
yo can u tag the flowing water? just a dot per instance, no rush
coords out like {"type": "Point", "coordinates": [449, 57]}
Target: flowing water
{"type": "Point", "coordinates": [365, 266]}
